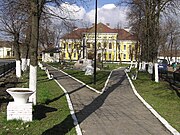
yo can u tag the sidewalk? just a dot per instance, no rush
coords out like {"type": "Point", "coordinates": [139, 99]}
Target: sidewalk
{"type": "Point", "coordinates": [115, 112]}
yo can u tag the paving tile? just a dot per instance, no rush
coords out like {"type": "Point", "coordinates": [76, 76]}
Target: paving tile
{"type": "Point", "coordinates": [116, 112]}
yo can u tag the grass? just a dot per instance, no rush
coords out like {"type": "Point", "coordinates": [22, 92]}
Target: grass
{"type": "Point", "coordinates": [111, 66]}
{"type": "Point", "coordinates": [106, 66]}
{"type": "Point", "coordinates": [161, 97]}
{"type": "Point", "coordinates": [101, 77]}
{"type": "Point", "coordinates": [50, 116]}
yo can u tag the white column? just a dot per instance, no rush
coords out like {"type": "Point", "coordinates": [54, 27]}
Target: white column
{"type": "Point", "coordinates": [33, 83]}
{"type": "Point", "coordinates": [24, 64]}
{"type": "Point", "coordinates": [140, 66]}
{"type": "Point", "coordinates": [28, 62]}
{"type": "Point", "coordinates": [156, 72]}
{"type": "Point", "coordinates": [18, 68]}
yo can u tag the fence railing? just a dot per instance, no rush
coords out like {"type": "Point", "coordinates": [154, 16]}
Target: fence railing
{"type": "Point", "coordinates": [6, 68]}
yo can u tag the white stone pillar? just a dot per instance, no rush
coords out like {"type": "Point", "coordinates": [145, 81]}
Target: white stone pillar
{"type": "Point", "coordinates": [28, 62]}
{"type": "Point", "coordinates": [24, 64]}
{"type": "Point", "coordinates": [33, 83]}
{"type": "Point", "coordinates": [140, 66]}
{"type": "Point", "coordinates": [156, 72]}
{"type": "Point", "coordinates": [18, 68]}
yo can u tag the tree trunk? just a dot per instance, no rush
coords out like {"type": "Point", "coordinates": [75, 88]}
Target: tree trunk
{"type": "Point", "coordinates": [17, 55]}
{"type": "Point", "coordinates": [25, 47]}
{"type": "Point", "coordinates": [35, 14]}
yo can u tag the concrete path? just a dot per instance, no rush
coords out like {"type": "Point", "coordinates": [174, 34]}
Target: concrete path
{"type": "Point", "coordinates": [115, 112]}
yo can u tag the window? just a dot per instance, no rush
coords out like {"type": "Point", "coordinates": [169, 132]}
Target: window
{"type": "Point", "coordinates": [88, 45]}
{"type": "Point", "coordinates": [8, 53]}
{"type": "Point", "coordinates": [69, 46]}
{"type": "Point", "coordinates": [124, 47]}
{"type": "Point", "coordinates": [104, 45]}
{"type": "Point", "coordinates": [64, 55]}
{"type": "Point", "coordinates": [110, 46]}
{"type": "Point", "coordinates": [118, 46]}
{"type": "Point", "coordinates": [74, 55]}
{"type": "Point", "coordinates": [51, 54]}
{"type": "Point", "coordinates": [109, 56]}
{"type": "Point", "coordinates": [105, 56]}
{"type": "Point", "coordinates": [99, 45]}
{"type": "Point", "coordinates": [124, 56]}
{"type": "Point", "coordinates": [119, 56]}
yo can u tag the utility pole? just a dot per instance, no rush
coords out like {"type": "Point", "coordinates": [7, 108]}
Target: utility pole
{"type": "Point", "coordinates": [84, 46]}
{"type": "Point", "coordinates": [95, 49]}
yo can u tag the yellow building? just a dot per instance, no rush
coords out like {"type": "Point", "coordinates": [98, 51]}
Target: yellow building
{"type": "Point", "coordinates": [112, 44]}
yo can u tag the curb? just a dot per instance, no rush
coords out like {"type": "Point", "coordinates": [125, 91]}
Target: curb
{"type": "Point", "coordinates": [79, 81]}
{"type": "Point", "coordinates": [150, 108]}
{"type": "Point", "coordinates": [77, 127]}
{"type": "Point", "coordinates": [103, 89]}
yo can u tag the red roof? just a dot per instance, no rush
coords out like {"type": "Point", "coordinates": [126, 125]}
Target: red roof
{"type": "Point", "coordinates": [101, 28]}
{"type": "Point", "coordinates": [124, 35]}
{"type": "Point", "coordinates": [75, 34]}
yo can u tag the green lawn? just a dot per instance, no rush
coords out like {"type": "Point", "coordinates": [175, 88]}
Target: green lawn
{"type": "Point", "coordinates": [111, 66]}
{"type": "Point", "coordinates": [106, 66]}
{"type": "Point", "coordinates": [50, 116]}
{"type": "Point", "coordinates": [161, 97]}
{"type": "Point", "coordinates": [101, 77]}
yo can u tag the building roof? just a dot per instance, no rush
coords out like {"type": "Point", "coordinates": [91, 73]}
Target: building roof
{"type": "Point", "coordinates": [124, 35]}
{"type": "Point", "coordinates": [75, 34]}
{"type": "Point", "coordinates": [7, 44]}
{"type": "Point", "coordinates": [51, 50]}
{"type": "Point", "coordinates": [101, 28]}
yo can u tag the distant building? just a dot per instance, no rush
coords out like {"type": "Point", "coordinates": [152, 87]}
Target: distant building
{"type": "Point", "coordinates": [6, 49]}
{"type": "Point", "coordinates": [50, 55]}
{"type": "Point", "coordinates": [170, 56]}
{"type": "Point", "coordinates": [112, 44]}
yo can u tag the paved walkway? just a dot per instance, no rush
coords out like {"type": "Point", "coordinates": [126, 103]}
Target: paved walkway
{"type": "Point", "coordinates": [115, 112]}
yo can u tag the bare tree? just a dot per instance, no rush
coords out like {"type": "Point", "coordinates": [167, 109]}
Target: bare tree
{"type": "Point", "coordinates": [13, 22]}
{"type": "Point", "coordinates": [169, 38]}
{"type": "Point", "coordinates": [145, 20]}
{"type": "Point", "coordinates": [34, 9]}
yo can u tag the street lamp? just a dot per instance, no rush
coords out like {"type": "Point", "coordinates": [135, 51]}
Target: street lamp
{"type": "Point", "coordinates": [95, 42]}
{"type": "Point", "coordinates": [83, 46]}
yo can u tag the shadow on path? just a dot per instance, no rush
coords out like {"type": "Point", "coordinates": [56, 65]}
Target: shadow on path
{"type": "Point", "coordinates": [54, 99]}
{"type": "Point", "coordinates": [41, 110]}
{"type": "Point", "coordinates": [85, 112]}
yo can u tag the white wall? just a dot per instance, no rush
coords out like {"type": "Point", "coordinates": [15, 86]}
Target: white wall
{"type": "Point", "coordinates": [173, 59]}
{"type": "Point", "coordinates": [47, 58]}
{"type": "Point", "coordinates": [3, 52]}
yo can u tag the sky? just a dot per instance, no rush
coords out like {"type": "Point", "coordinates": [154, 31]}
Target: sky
{"type": "Point", "coordinates": [100, 3]}
{"type": "Point", "coordinates": [108, 12]}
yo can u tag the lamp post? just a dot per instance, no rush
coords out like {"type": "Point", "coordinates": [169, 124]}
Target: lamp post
{"type": "Point", "coordinates": [95, 49]}
{"type": "Point", "coordinates": [83, 46]}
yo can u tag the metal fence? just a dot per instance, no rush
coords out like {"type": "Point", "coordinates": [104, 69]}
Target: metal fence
{"type": "Point", "coordinates": [6, 68]}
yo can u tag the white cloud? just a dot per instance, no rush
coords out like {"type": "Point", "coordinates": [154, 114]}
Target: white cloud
{"type": "Point", "coordinates": [108, 6]}
{"type": "Point", "coordinates": [108, 13]}
{"type": "Point", "coordinates": [66, 11]}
